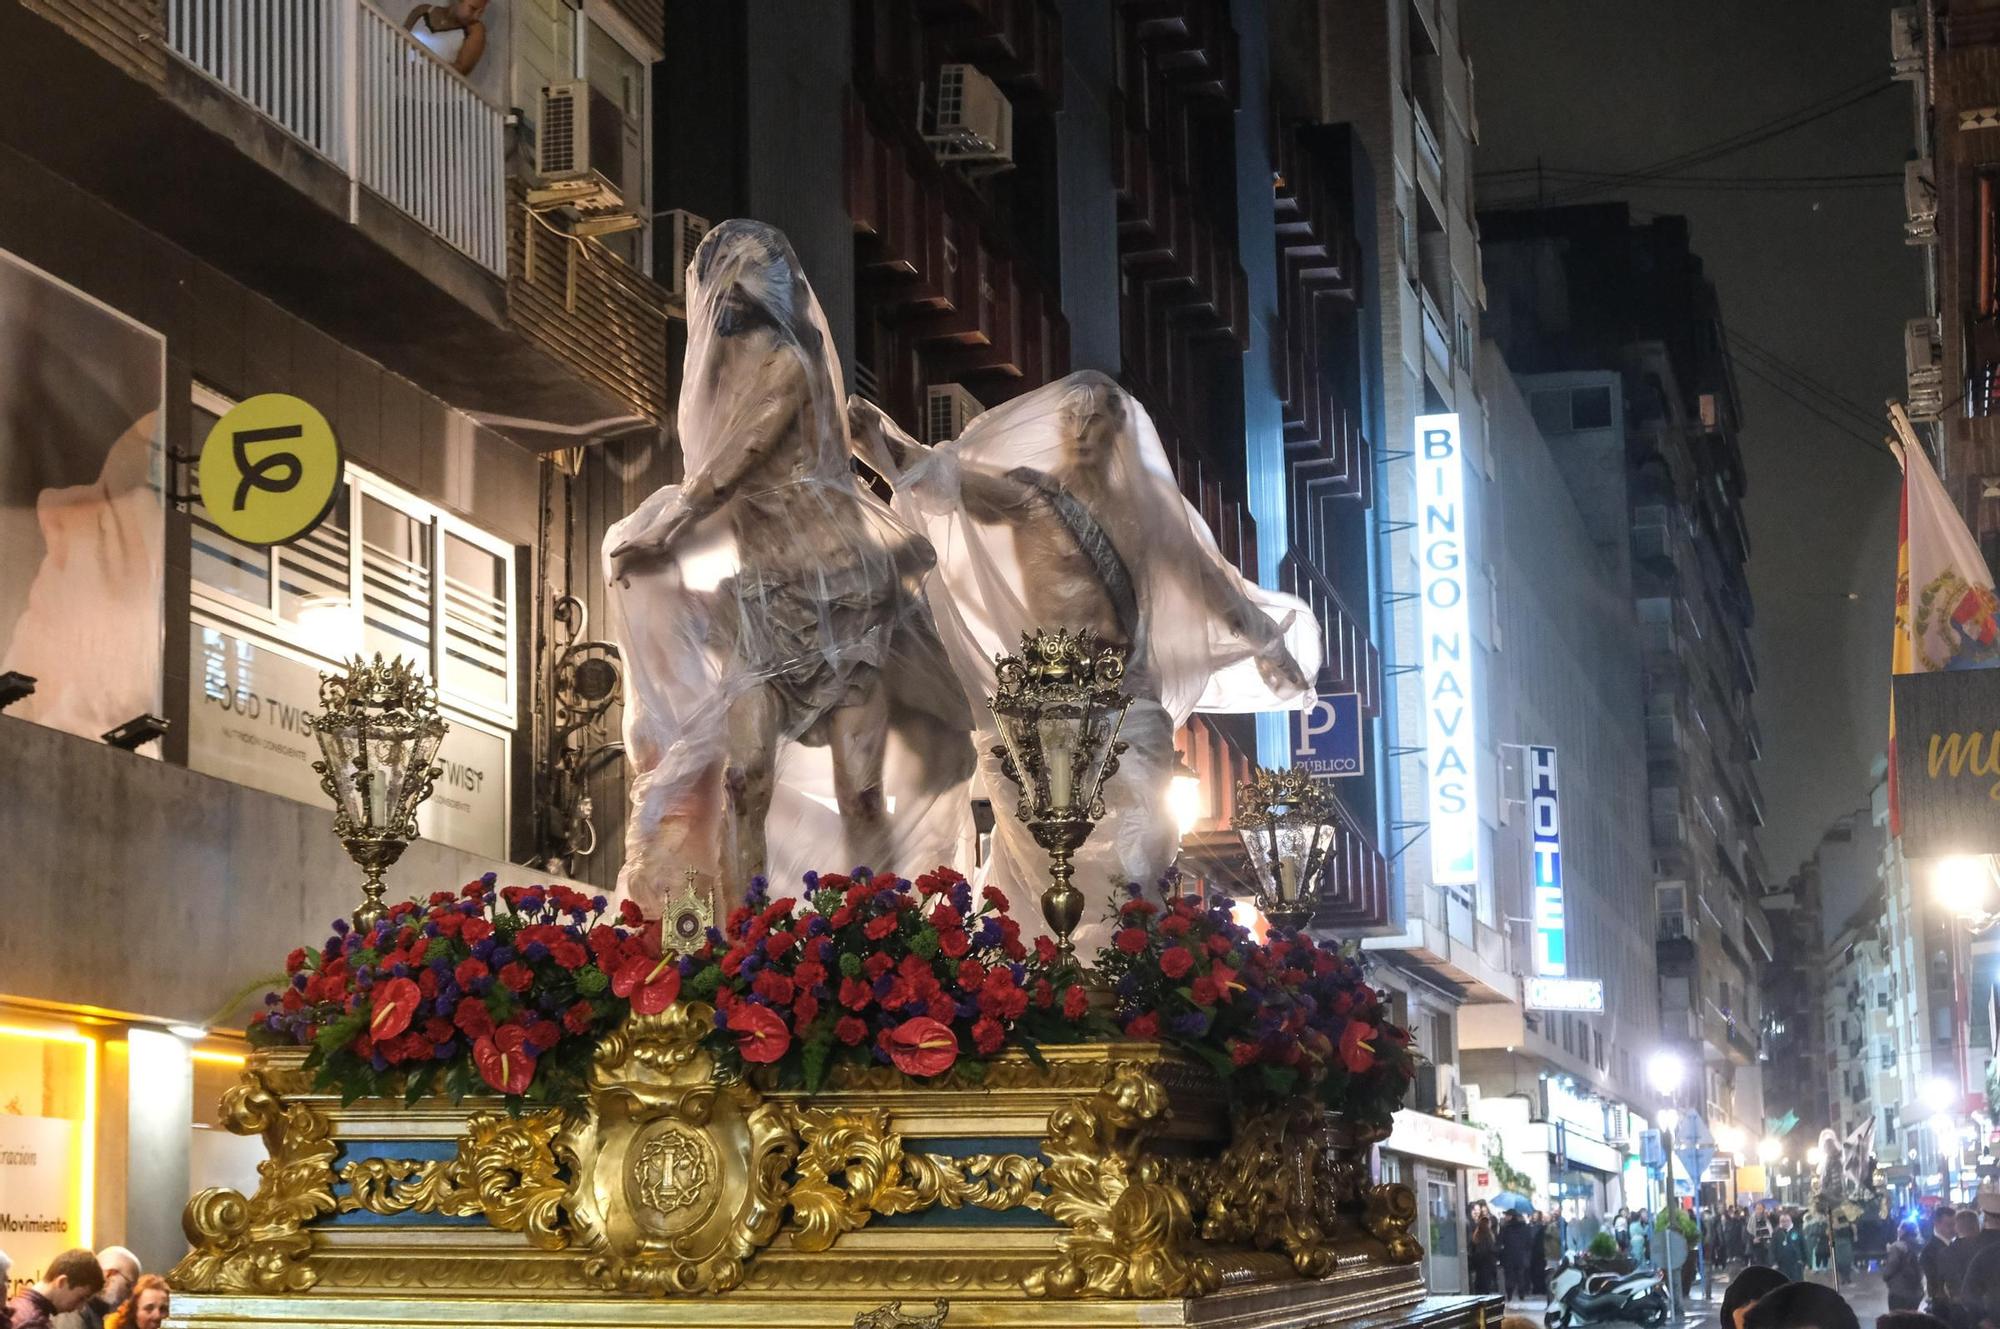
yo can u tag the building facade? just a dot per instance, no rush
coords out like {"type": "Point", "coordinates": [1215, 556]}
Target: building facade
{"type": "Point", "coordinates": [1586, 291]}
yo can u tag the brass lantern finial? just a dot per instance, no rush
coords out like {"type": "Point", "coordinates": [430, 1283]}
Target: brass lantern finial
{"type": "Point", "coordinates": [1285, 820]}
{"type": "Point", "coordinates": [379, 736]}
{"type": "Point", "coordinates": [1058, 708]}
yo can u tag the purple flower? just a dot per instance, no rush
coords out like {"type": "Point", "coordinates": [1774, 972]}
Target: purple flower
{"type": "Point", "coordinates": [817, 924]}
{"type": "Point", "coordinates": [1134, 889]}
{"type": "Point", "coordinates": [882, 986]}
{"type": "Point", "coordinates": [275, 1023]}
{"type": "Point", "coordinates": [444, 1051]}
{"type": "Point", "coordinates": [401, 971]}
{"type": "Point", "coordinates": [365, 978]}
{"type": "Point", "coordinates": [721, 1019]}
{"type": "Point", "coordinates": [1191, 1025]}
{"type": "Point", "coordinates": [488, 879]}
{"type": "Point", "coordinates": [715, 937]}
{"type": "Point", "coordinates": [379, 1062]}
{"type": "Point", "coordinates": [688, 965]}
{"type": "Point", "coordinates": [270, 998]}
{"type": "Point", "coordinates": [534, 952]}
{"type": "Point", "coordinates": [339, 929]}
{"type": "Point", "coordinates": [299, 982]}
{"type": "Point", "coordinates": [430, 929]}
{"type": "Point", "coordinates": [502, 957]}
{"type": "Point", "coordinates": [811, 879]}
{"type": "Point", "coordinates": [862, 873]}
{"type": "Point", "coordinates": [989, 932]}
{"type": "Point", "coordinates": [598, 903]}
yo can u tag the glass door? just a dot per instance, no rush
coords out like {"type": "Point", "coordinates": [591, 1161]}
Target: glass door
{"type": "Point", "coordinates": [1444, 1262]}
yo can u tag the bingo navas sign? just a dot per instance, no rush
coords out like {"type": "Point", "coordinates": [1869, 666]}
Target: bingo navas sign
{"type": "Point", "coordinates": [1445, 624]}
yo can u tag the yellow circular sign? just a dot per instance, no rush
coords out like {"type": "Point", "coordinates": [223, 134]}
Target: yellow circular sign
{"type": "Point", "coordinates": [269, 470]}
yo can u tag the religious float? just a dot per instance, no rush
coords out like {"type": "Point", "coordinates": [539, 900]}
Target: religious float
{"type": "Point", "coordinates": [857, 1099]}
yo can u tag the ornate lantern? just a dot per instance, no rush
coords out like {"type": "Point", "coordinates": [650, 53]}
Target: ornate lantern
{"type": "Point", "coordinates": [1058, 709]}
{"type": "Point", "coordinates": [379, 737]}
{"type": "Point", "coordinates": [1285, 821]}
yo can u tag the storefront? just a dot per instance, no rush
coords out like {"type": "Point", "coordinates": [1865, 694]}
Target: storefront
{"type": "Point", "coordinates": [1432, 1156]}
{"type": "Point", "coordinates": [106, 1127]}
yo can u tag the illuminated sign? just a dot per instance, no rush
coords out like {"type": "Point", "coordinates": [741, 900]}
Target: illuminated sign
{"type": "Point", "coordinates": [1545, 862]}
{"type": "Point", "coordinates": [1326, 737]}
{"type": "Point", "coordinates": [269, 469]}
{"type": "Point", "coordinates": [1563, 994]}
{"type": "Point", "coordinates": [1446, 626]}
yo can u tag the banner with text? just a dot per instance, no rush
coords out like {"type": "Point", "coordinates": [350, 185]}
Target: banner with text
{"type": "Point", "coordinates": [38, 1192]}
{"type": "Point", "coordinates": [247, 723]}
{"type": "Point", "coordinates": [1948, 762]}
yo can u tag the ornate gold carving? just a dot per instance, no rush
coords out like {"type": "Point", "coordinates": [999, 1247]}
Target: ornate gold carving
{"type": "Point", "coordinates": [1131, 1228]}
{"type": "Point", "coordinates": [259, 1244]}
{"type": "Point", "coordinates": [1392, 1211]}
{"type": "Point", "coordinates": [890, 1315]}
{"type": "Point", "coordinates": [505, 1169]}
{"type": "Point", "coordinates": [677, 1177]}
{"type": "Point", "coordinates": [878, 1177]}
{"type": "Point", "coordinates": [1265, 1192]}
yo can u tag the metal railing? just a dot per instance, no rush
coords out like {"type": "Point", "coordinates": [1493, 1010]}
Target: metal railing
{"type": "Point", "coordinates": [342, 78]}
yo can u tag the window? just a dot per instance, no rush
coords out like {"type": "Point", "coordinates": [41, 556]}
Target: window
{"type": "Point", "coordinates": [418, 582]}
{"type": "Point", "coordinates": [1597, 1048]}
{"type": "Point", "coordinates": [612, 66]}
{"type": "Point", "coordinates": [1590, 408]}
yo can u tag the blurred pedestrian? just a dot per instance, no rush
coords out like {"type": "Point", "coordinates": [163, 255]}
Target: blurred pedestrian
{"type": "Point", "coordinates": [1752, 1282]}
{"type": "Point", "coordinates": [1801, 1306]}
{"type": "Point", "coordinates": [1483, 1254]}
{"type": "Point", "coordinates": [1517, 1247]}
{"type": "Point", "coordinates": [1942, 1231]}
{"type": "Point", "coordinates": [1538, 1238]}
{"type": "Point", "coordinates": [1788, 1248]}
{"type": "Point", "coordinates": [1903, 1271]}
{"type": "Point", "coordinates": [146, 1308]}
{"type": "Point", "coordinates": [121, 1270]}
{"type": "Point", "coordinates": [69, 1281]}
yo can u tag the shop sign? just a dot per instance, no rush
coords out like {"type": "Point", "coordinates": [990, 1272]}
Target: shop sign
{"type": "Point", "coordinates": [1421, 1135]}
{"type": "Point", "coordinates": [269, 469]}
{"type": "Point", "coordinates": [1545, 863]}
{"type": "Point", "coordinates": [1563, 994]}
{"type": "Point", "coordinates": [1450, 731]}
{"type": "Point", "coordinates": [1948, 762]}
{"type": "Point", "coordinates": [247, 723]}
{"type": "Point", "coordinates": [37, 1192]}
{"type": "Point", "coordinates": [1326, 737]}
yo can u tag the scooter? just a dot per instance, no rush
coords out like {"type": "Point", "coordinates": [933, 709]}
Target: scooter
{"type": "Point", "coordinates": [1577, 1296]}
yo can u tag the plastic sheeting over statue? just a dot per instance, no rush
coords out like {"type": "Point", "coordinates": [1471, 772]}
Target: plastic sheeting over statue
{"type": "Point", "coordinates": [788, 706]}
{"type": "Point", "coordinates": [1058, 509]}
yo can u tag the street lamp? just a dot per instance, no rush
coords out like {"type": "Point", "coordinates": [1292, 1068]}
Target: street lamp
{"type": "Point", "coordinates": [1964, 884]}
{"type": "Point", "coordinates": [1664, 1070]}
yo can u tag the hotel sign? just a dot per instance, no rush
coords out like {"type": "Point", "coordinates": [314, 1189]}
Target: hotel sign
{"type": "Point", "coordinates": [1451, 741]}
{"type": "Point", "coordinates": [1947, 752]}
{"type": "Point", "coordinates": [1545, 873]}
{"type": "Point", "coordinates": [1563, 994]}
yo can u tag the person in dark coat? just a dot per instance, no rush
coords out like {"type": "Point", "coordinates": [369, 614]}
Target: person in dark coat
{"type": "Point", "coordinates": [1903, 1271]}
{"type": "Point", "coordinates": [1942, 1231]}
{"type": "Point", "coordinates": [1483, 1253]}
{"type": "Point", "coordinates": [1518, 1243]}
{"type": "Point", "coordinates": [1538, 1269]}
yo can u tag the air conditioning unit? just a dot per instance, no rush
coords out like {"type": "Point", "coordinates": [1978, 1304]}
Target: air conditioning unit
{"type": "Point", "coordinates": [683, 232]}
{"type": "Point", "coordinates": [579, 150]}
{"type": "Point", "coordinates": [970, 120]}
{"type": "Point", "coordinates": [948, 409]}
{"type": "Point", "coordinates": [1919, 202]}
{"type": "Point", "coordinates": [1923, 362]}
{"type": "Point", "coordinates": [1906, 43]}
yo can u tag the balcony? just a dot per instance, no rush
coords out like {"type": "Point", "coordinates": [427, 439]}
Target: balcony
{"type": "Point", "coordinates": [1429, 157]}
{"type": "Point", "coordinates": [1351, 661]}
{"type": "Point", "coordinates": [312, 151]}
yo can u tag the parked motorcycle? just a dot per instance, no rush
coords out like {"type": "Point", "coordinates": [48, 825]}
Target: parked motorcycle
{"type": "Point", "coordinates": [1577, 1296]}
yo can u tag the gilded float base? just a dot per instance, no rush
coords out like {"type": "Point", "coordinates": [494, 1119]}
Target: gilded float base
{"type": "Point", "coordinates": [1257, 1293]}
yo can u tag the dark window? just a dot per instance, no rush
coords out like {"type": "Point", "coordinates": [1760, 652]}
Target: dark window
{"type": "Point", "coordinates": [1590, 408]}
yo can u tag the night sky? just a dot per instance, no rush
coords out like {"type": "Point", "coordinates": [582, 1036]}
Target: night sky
{"type": "Point", "coordinates": [1817, 277]}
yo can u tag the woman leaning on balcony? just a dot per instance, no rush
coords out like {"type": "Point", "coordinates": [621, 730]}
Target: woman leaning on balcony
{"type": "Point", "coordinates": [454, 33]}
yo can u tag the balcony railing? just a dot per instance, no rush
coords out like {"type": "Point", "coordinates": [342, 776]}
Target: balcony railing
{"type": "Point", "coordinates": [342, 78]}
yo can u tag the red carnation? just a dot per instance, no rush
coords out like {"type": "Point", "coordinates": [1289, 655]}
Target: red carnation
{"type": "Point", "coordinates": [1355, 1051]}
{"type": "Point", "coordinates": [879, 928]}
{"type": "Point", "coordinates": [953, 942]}
{"type": "Point", "coordinates": [778, 943]}
{"type": "Point", "coordinates": [971, 974]}
{"type": "Point", "coordinates": [922, 1046]}
{"type": "Point", "coordinates": [850, 1030]}
{"type": "Point", "coordinates": [295, 961]}
{"type": "Point", "coordinates": [761, 1035]}
{"type": "Point", "coordinates": [1176, 961]}
{"type": "Point", "coordinates": [773, 986]}
{"type": "Point", "coordinates": [1218, 945]}
{"type": "Point", "coordinates": [650, 985]}
{"type": "Point", "coordinates": [472, 1018]}
{"type": "Point", "coordinates": [569, 954]}
{"type": "Point", "coordinates": [987, 1036]}
{"type": "Point", "coordinates": [855, 994]}
{"type": "Point", "coordinates": [1204, 991]}
{"type": "Point", "coordinates": [475, 930]}
{"type": "Point", "coordinates": [630, 914]}
{"type": "Point", "coordinates": [876, 965]}
{"type": "Point", "coordinates": [1174, 925]}
{"type": "Point", "coordinates": [503, 1059]}
{"type": "Point", "coordinates": [941, 1007]}
{"type": "Point", "coordinates": [1143, 1026]}
{"type": "Point", "coordinates": [1075, 1001]}
{"type": "Point", "coordinates": [578, 1017]}
{"type": "Point", "coordinates": [1045, 951]}
{"type": "Point", "coordinates": [805, 1009]}
{"type": "Point", "coordinates": [394, 1003]}
{"type": "Point", "coordinates": [1242, 1054]}
{"type": "Point", "coordinates": [470, 971]}
{"type": "Point", "coordinates": [518, 976]}
{"type": "Point", "coordinates": [1131, 940]}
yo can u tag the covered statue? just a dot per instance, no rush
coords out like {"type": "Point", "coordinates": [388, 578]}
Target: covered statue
{"type": "Point", "coordinates": [1059, 509]}
{"type": "Point", "coordinates": [788, 705]}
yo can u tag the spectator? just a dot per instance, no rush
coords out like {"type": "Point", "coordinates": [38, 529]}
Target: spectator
{"type": "Point", "coordinates": [1902, 1270]}
{"type": "Point", "coordinates": [146, 1308]}
{"type": "Point", "coordinates": [1788, 1248]}
{"type": "Point", "coordinates": [1483, 1251]}
{"type": "Point", "coordinates": [6, 1273]}
{"type": "Point", "coordinates": [455, 33]}
{"type": "Point", "coordinates": [1909, 1320]}
{"type": "Point", "coordinates": [1743, 1291]}
{"type": "Point", "coordinates": [121, 1270]}
{"type": "Point", "coordinates": [1982, 1254]}
{"type": "Point", "coordinates": [71, 1279]}
{"type": "Point", "coordinates": [1538, 1236]}
{"type": "Point", "coordinates": [1517, 1242]}
{"type": "Point", "coordinates": [1801, 1306]}
{"type": "Point", "coordinates": [1942, 1231]}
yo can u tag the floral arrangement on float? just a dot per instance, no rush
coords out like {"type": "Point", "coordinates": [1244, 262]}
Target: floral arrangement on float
{"type": "Point", "coordinates": [511, 990]}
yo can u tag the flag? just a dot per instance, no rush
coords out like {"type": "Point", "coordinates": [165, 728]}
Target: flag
{"type": "Point", "coordinates": [1947, 616]}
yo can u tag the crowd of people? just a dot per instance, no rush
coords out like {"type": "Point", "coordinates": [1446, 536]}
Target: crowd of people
{"type": "Point", "coordinates": [82, 1289]}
